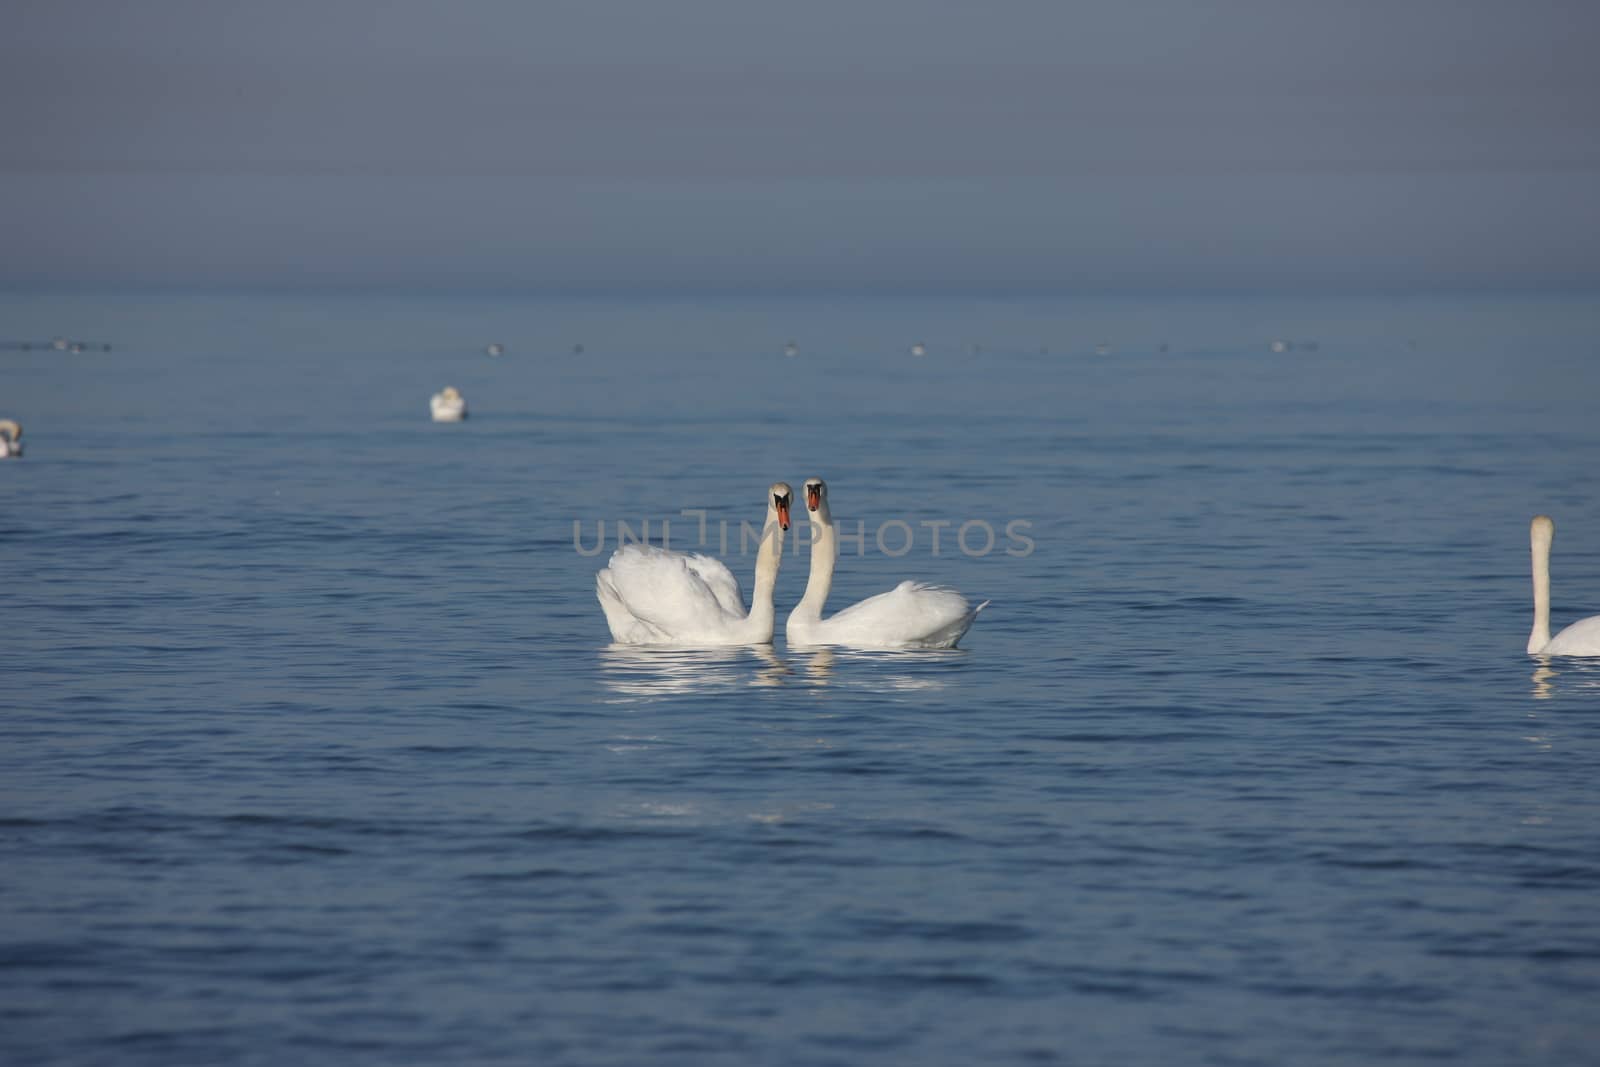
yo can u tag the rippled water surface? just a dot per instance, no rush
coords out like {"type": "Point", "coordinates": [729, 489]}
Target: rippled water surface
{"type": "Point", "coordinates": [314, 749]}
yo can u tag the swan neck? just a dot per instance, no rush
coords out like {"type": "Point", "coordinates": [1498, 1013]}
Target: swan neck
{"type": "Point", "coordinates": [768, 557]}
{"type": "Point", "coordinates": [824, 553]}
{"type": "Point", "coordinates": [1541, 537]}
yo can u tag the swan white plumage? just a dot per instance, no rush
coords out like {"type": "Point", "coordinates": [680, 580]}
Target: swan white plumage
{"type": "Point", "coordinates": [10, 438]}
{"type": "Point", "coordinates": [911, 615]}
{"type": "Point", "coordinates": [653, 596]}
{"type": "Point", "coordinates": [448, 405]}
{"type": "Point", "coordinates": [1582, 638]}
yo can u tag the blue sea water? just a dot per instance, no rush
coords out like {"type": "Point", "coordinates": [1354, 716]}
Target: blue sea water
{"type": "Point", "coordinates": [313, 750]}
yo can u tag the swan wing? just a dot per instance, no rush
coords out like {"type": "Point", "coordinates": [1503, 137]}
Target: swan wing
{"type": "Point", "coordinates": [719, 579]}
{"type": "Point", "coordinates": [625, 627]}
{"type": "Point", "coordinates": [911, 615]}
{"type": "Point", "coordinates": [660, 589]}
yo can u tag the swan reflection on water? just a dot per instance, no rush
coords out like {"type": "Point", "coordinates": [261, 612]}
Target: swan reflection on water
{"type": "Point", "coordinates": [636, 672]}
{"type": "Point", "coordinates": [1575, 675]}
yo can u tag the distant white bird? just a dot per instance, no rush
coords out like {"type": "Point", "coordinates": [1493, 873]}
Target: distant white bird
{"type": "Point", "coordinates": [10, 438]}
{"type": "Point", "coordinates": [791, 349]}
{"type": "Point", "coordinates": [911, 615]}
{"type": "Point", "coordinates": [1582, 638]}
{"type": "Point", "coordinates": [496, 350]}
{"type": "Point", "coordinates": [448, 405]}
{"type": "Point", "coordinates": [919, 349]}
{"type": "Point", "coordinates": [1280, 347]}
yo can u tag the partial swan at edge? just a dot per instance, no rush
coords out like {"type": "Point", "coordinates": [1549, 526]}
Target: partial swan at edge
{"type": "Point", "coordinates": [1582, 638]}
{"type": "Point", "coordinates": [911, 615]}
{"type": "Point", "coordinates": [448, 405]}
{"type": "Point", "coordinates": [653, 596]}
{"type": "Point", "coordinates": [10, 438]}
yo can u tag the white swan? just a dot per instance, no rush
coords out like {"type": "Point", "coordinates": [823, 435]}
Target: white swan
{"type": "Point", "coordinates": [652, 596]}
{"type": "Point", "coordinates": [10, 438]}
{"type": "Point", "coordinates": [448, 405]}
{"type": "Point", "coordinates": [911, 615]}
{"type": "Point", "coordinates": [1582, 638]}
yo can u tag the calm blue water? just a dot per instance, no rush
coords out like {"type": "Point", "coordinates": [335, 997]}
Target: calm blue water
{"type": "Point", "coordinates": [314, 751]}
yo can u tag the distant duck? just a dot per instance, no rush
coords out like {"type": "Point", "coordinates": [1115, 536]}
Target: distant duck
{"type": "Point", "coordinates": [10, 438]}
{"type": "Point", "coordinates": [448, 405]}
{"type": "Point", "coordinates": [919, 349]}
{"type": "Point", "coordinates": [1280, 347]}
{"type": "Point", "coordinates": [496, 350]}
{"type": "Point", "coordinates": [1582, 638]}
{"type": "Point", "coordinates": [791, 350]}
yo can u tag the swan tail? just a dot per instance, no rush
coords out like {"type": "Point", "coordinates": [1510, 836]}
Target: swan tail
{"type": "Point", "coordinates": [947, 636]}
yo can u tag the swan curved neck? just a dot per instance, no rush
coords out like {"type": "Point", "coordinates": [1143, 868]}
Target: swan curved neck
{"type": "Point", "coordinates": [768, 557]}
{"type": "Point", "coordinates": [824, 552]}
{"type": "Point", "coordinates": [1543, 533]}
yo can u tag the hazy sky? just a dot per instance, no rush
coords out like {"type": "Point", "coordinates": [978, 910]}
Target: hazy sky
{"type": "Point", "coordinates": [925, 143]}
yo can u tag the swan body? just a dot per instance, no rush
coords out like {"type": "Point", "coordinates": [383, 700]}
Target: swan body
{"type": "Point", "coordinates": [653, 596]}
{"type": "Point", "coordinates": [10, 438]}
{"type": "Point", "coordinates": [448, 405]}
{"type": "Point", "coordinates": [911, 615]}
{"type": "Point", "coordinates": [1582, 638]}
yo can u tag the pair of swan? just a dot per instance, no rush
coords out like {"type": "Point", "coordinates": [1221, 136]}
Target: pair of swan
{"type": "Point", "coordinates": [653, 596]}
{"type": "Point", "coordinates": [448, 405]}
{"type": "Point", "coordinates": [10, 438]}
{"type": "Point", "coordinates": [1582, 638]}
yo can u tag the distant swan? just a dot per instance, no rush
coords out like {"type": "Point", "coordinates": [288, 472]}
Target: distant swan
{"type": "Point", "coordinates": [448, 405]}
{"type": "Point", "coordinates": [1582, 638]}
{"type": "Point", "coordinates": [652, 596]}
{"type": "Point", "coordinates": [10, 438]}
{"type": "Point", "coordinates": [911, 615]}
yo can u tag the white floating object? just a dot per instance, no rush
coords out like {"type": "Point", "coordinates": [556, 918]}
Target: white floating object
{"type": "Point", "coordinates": [791, 350]}
{"type": "Point", "coordinates": [448, 405]}
{"type": "Point", "coordinates": [10, 438]}
{"type": "Point", "coordinates": [919, 349]}
{"type": "Point", "coordinates": [496, 349]}
{"type": "Point", "coordinates": [1281, 347]}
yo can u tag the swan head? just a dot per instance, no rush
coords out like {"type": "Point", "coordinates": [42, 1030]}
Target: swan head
{"type": "Point", "coordinates": [1543, 531]}
{"type": "Point", "coordinates": [450, 392]}
{"type": "Point", "coordinates": [780, 496]}
{"type": "Point", "coordinates": [11, 429]}
{"type": "Point", "coordinates": [816, 491]}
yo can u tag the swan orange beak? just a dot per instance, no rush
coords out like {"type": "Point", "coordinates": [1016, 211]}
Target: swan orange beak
{"type": "Point", "coordinates": [813, 497]}
{"type": "Point", "coordinates": [783, 512]}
